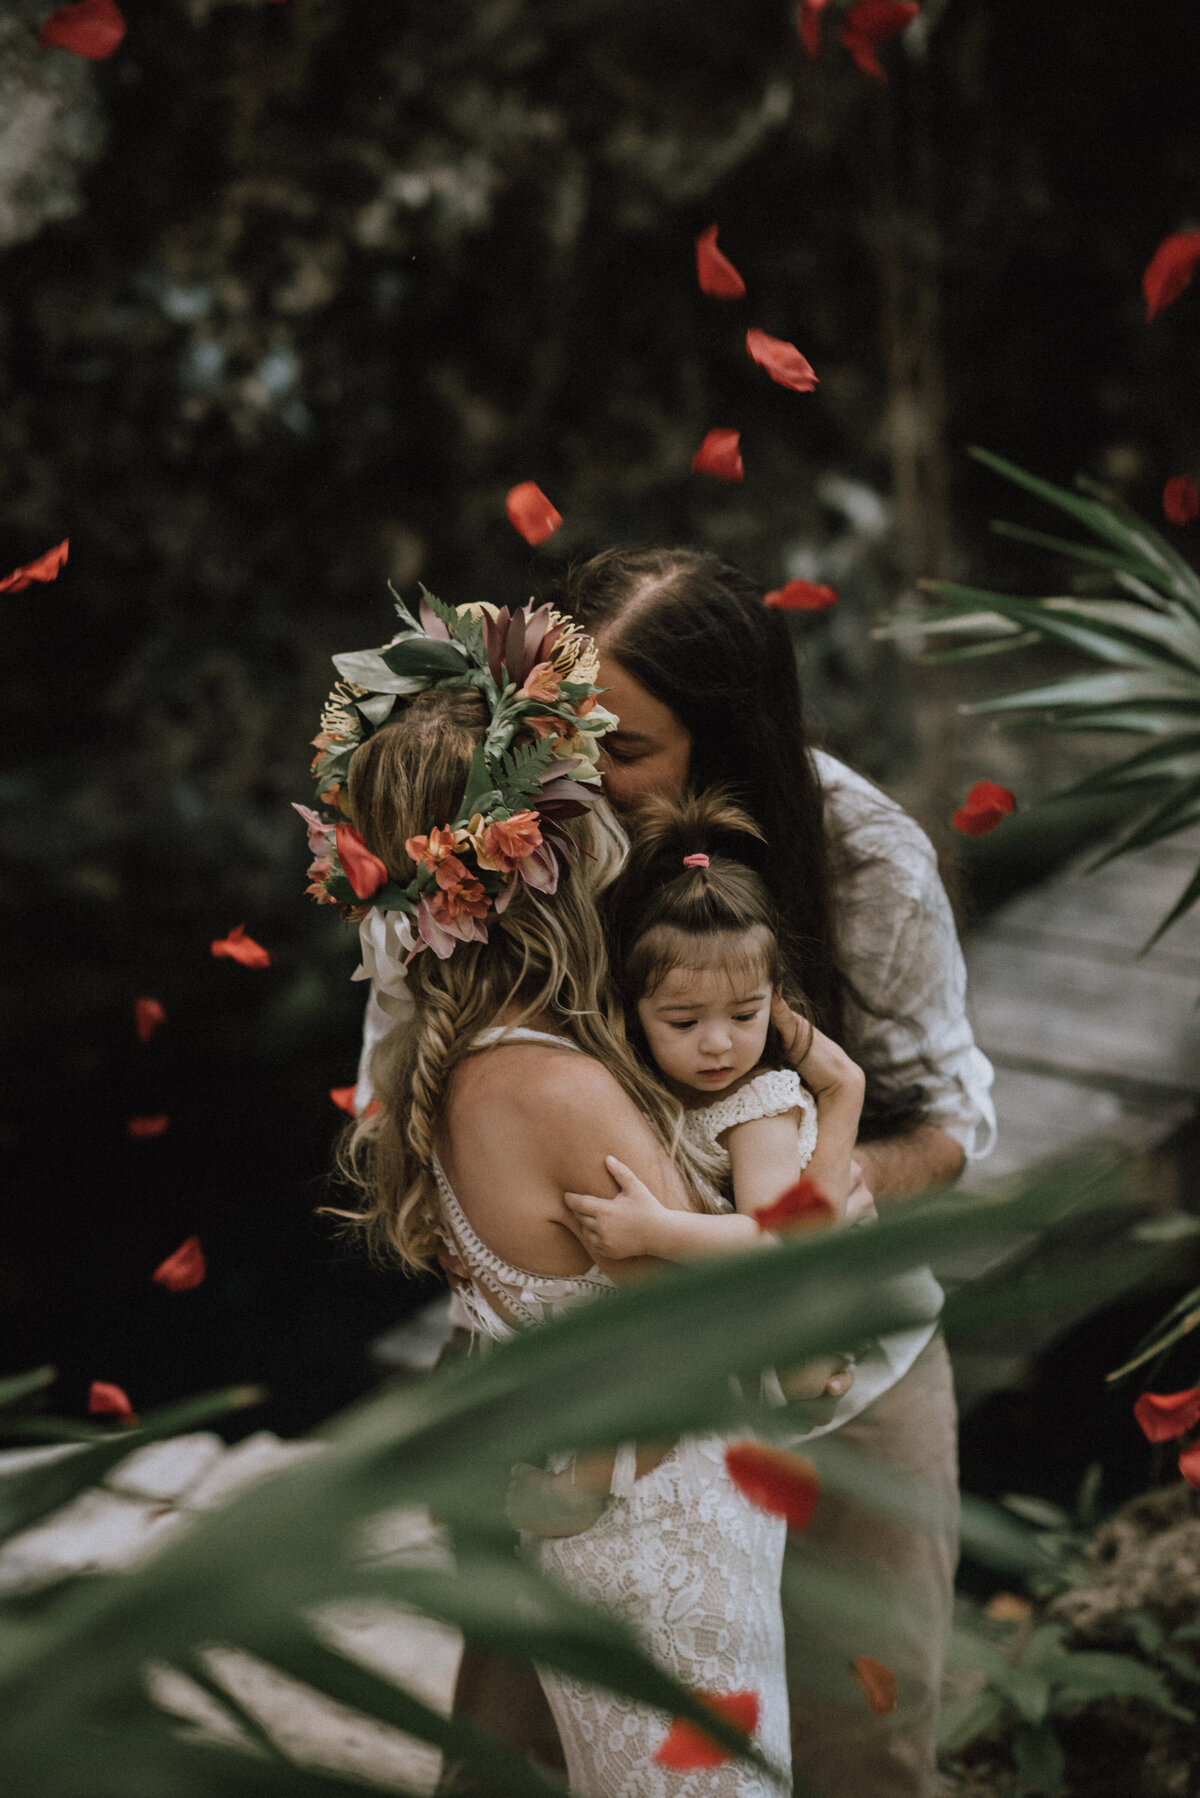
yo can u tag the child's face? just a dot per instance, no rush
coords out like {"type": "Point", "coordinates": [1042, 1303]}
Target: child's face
{"type": "Point", "coordinates": [706, 1027]}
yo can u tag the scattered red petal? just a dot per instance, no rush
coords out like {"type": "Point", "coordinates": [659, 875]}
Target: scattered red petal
{"type": "Point", "coordinates": [786, 1485]}
{"type": "Point", "coordinates": [782, 360]}
{"type": "Point", "coordinates": [808, 25]}
{"type": "Point", "coordinates": [106, 1400]}
{"type": "Point", "coordinates": [343, 1098]}
{"type": "Point", "coordinates": [142, 1129]}
{"type": "Point", "coordinates": [801, 596]}
{"type": "Point", "coordinates": [719, 455]}
{"type": "Point", "coordinates": [715, 273]}
{"type": "Point", "coordinates": [43, 568]}
{"type": "Point", "coordinates": [184, 1269]}
{"type": "Point", "coordinates": [801, 1205]}
{"type": "Point", "coordinates": [93, 29]}
{"type": "Point", "coordinates": [1165, 1415]}
{"type": "Point", "coordinates": [237, 946]}
{"type": "Point", "coordinates": [877, 1684]}
{"type": "Point", "coordinates": [530, 512]}
{"type": "Point", "coordinates": [1189, 1465]}
{"type": "Point", "coordinates": [870, 23]}
{"type": "Point", "coordinates": [985, 805]}
{"type": "Point", "coordinates": [1169, 271]}
{"type": "Point", "coordinates": [376, 1105]}
{"type": "Point", "coordinates": [365, 872]}
{"type": "Point", "coordinates": [687, 1748]}
{"type": "Point", "coordinates": [148, 1014]}
{"type": "Point", "coordinates": [1181, 502]}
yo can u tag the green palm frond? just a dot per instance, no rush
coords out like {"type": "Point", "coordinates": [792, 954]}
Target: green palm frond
{"type": "Point", "coordinates": [654, 1360]}
{"type": "Point", "coordinates": [1145, 637]}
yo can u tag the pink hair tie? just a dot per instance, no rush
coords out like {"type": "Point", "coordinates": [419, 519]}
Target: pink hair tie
{"type": "Point", "coordinates": [695, 861]}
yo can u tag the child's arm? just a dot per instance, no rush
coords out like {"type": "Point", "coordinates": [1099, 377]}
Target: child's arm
{"type": "Point", "coordinates": [633, 1222]}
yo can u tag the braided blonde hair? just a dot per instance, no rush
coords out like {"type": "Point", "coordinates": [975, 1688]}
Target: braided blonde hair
{"type": "Point", "coordinates": [545, 954]}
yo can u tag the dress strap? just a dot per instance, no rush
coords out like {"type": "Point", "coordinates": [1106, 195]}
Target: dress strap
{"type": "Point", "coordinates": [496, 1034]}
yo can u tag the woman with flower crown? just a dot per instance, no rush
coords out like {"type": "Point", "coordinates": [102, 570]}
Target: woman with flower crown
{"type": "Point", "coordinates": [460, 765]}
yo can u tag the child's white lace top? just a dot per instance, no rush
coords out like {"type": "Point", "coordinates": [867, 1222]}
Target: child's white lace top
{"type": "Point", "coordinates": [768, 1095]}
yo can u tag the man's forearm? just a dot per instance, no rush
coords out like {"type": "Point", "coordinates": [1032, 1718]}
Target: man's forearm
{"type": "Point", "coordinates": [896, 1167]}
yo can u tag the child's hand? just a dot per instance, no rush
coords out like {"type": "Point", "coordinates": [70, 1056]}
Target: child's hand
{"type": "Point", "coordinates": [623, 1227]}
{"type": "Point", "coordinates": [828, 1377]}
{"type": "Point", "coordinates": [827, 1069]}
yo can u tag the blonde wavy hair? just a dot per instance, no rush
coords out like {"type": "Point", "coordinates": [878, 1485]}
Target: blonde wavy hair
{"type": "Point", "coordinates": [545, 955]}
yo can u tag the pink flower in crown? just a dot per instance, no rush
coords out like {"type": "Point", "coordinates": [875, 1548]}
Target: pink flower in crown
{"type": "Point", "coordinates": [434, 848]}
{"type": "Point", "coordinates": [318, 830]}
{"type": "Point", "coordinates": [318, 873]}
{"type": "Point", "coordinates": [502, 845]}
{"type": "Point", "coordinates": [539, 870]}
{"type": "Point", "coordinates": [541, 683]}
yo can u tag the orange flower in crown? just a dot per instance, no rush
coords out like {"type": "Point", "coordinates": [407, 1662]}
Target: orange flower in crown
{"type": "Point", "coordinates": [505, 842]}
{"type": "Point", "coordinates": [441, 842]}
{"type": "Point", "coordinates": [542, 683]}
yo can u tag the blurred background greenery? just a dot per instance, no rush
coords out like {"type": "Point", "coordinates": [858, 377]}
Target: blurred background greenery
{"type": "Point", "coordinates": [293, 294]}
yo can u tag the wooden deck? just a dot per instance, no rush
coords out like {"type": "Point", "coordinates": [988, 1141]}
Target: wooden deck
{"type": "Point", "coordinates": [1089, 1039]}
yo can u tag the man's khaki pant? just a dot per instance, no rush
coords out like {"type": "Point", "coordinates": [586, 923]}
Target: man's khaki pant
{"type": "Point", "coordinates": [839, 1749]}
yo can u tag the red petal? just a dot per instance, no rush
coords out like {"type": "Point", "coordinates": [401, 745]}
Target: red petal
{"type": "Point", "coordinates": [184, 1269]}
{"type": "Point", "coordinates": [1165, 1415]}
{"type": "Point", "coordinates": [868, 24]}
{"type": "Point", "coordinates": [365, 872]}
{"type": "Point", "coordinates": [719, 455]}
{"type": "Point", "coordinates": [93, 29]}
{"type": "Point", "coordinates": [530, 512]}
{"type": "Point", "coordinates": [373, 1107]}
{"type": "Point", "coordinates": [237, 946]}
{"type": "Point", "coordinates": [786, 1485]}
{"type": "Point", "coordinates": [105, 1400]}
{"type": "Point", "coordinates": [687, 1748]}
{"type": "Point", "coordinates": [343, 1098]}
{"type": "Point", "coordinates": [985, 805]}
{"type": "Point", "coordinates": [141, 1129]}
{"type": "Point", "coordinates": [802, 1204]}
{"type": "Point", "coordinates": [782, 360]}
{"type": "Point", "coordinates": [808, 24]}
{"type": "Point", "coordinates": [44, 568]}
{"type": "Point", "coordinates": [1189, 1465]}
{"type": "Point", "coordinates": [1181, 502]}
{"type": "Point", "coordinates": [877, 1684]}
{"type": "Point", "coordinates": [801, 596]}
{"type": "Point", "coordinates": [148, 1014]}
{"type": "Point", "coordinates": [1169, 271]}
{"type": "Point", "coordinates": [715, 273]}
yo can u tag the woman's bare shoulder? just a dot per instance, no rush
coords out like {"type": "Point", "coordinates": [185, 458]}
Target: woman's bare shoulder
{"type": "Point", "coordinates": [527, 1077]}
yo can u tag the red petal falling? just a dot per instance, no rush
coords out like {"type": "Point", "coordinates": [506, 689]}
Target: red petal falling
{"type": "Point", "coordinates": [870, 23]}
{"type": "Point", "coordinates": [141, 1129]}
{"type": "Point", "coordinates": [148, 1014]}
{"type": "Point", "coordinates": [1165, 1415]}
{"type": "Point", "coordinates": [184, 1269]}
{"type": "Point", "coordinates": [343, 1098]}
{"type": "Point", "coordinates": [876, 1682]}
{"type": "Point", "coordinates": [44, 568]}
{"type": "Point", "coordinates": [786, 1485]}
{"type": "Point", "coordinates": [720, 456]}
{"type": "Point", "coordinates": [800, 1206]}
{"type": "Point", "coordinates": [1189, 1465]}
{"type": "Point", "coordinates": [530, 513]}
{"type": "Point", "coordinates": [93, 28]}
{"type": "Point", "coordinates": [984, 807]}
{"type": "Point", "coordinates": [808, 26]}
{"type": "Point", "coordinates": [107, 1400]}
{"type": "Point", "coordinates": [1180, 502]}
{"type": "Point", "coordinates": [239, 947]}
{"type": "Point", "coordinates": [687, 1749]}
{"type": "Point", "coordinates": [714, 271]}
{"type": "Point", "coordinates": [1169, 271]}
{"type": "Point", "coordinates": [801, 596]}
{"type": "Point", "coordinates": [782, 360]}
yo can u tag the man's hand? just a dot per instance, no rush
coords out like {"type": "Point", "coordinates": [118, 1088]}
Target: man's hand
{"type": "Point", "coordinates": [860, 1202]}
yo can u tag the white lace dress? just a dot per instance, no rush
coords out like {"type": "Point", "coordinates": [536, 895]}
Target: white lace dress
{"type": "Point", "coordinates": [679, 1554]}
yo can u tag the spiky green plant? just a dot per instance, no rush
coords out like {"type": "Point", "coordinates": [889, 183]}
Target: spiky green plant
{"type": "Point", "coordinates": [655, 1360]}
{"type": "Point", "coordinates": [1144, 635]}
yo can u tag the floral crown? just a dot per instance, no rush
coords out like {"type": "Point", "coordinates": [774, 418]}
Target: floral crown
{"type": "Point", "coordinates": [535, 768]}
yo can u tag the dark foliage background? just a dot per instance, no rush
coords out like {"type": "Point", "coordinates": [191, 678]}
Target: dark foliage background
{"type": "Point", "coordinates": [293, 294]}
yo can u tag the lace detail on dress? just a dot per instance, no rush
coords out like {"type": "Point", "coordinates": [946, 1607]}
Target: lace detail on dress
{"type": "Point", "coordinates": [770, 1093]}
{"type": "Point", "coordinates": [694, 1569]}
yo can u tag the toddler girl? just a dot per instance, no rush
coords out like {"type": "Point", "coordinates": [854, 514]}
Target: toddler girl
{"type": "Point", "coordinates": [695, 949]}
